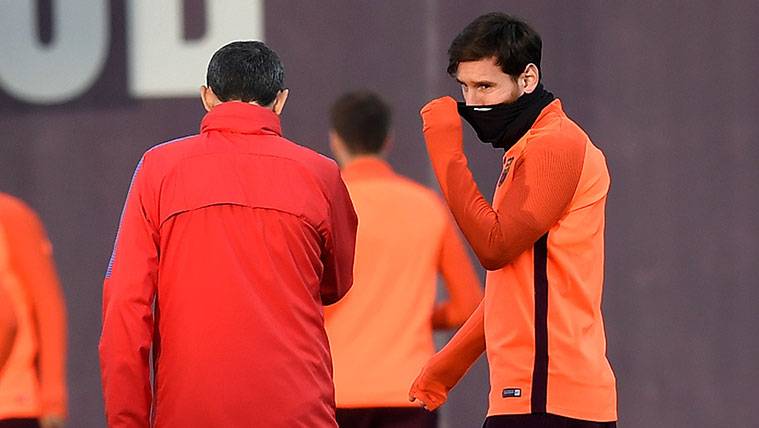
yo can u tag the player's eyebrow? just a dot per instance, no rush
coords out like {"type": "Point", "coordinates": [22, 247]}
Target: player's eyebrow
{"type": "Point", "coordinates": [478, 83]}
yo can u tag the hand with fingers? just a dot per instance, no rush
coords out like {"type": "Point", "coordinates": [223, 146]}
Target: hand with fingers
{"type": "Point", "coordinates": [444, 370]}
{"type": "Point", "coordinates": [428, 390]}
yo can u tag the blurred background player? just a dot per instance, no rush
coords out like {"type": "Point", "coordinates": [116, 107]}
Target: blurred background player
{"type": "Point", "coordinates": [542, 239]}
{"type": "Point", "coordinates": [381, 333]}
{"type": "Point", "coordinates": [33, 382]}
{"type": "Point", "coordinates": [237, 236]}
{"type": "Point", "coordinates": [8, 326]}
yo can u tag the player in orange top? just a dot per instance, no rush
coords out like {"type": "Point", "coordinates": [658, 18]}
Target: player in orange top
{"type": "Point", "coordinates": [381, 333]}
{"type": "Point", "coordinates": [541, 239]}
{"type": "Point", "coordinates": [33, 382]}
{"type": "Point", "coordinates": [8, 326]}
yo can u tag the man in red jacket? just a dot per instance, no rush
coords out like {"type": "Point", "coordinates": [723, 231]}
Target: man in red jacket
{"type": "Point", "coordinates": [230, 242]}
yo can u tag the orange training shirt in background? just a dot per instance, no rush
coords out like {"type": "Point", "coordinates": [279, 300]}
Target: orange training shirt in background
{"type": "Point", "coordinates": [33, 383]}
{"type": "Point", "coordinates": [381, 333]}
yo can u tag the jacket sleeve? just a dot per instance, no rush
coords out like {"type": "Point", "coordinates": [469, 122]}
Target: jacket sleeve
{"type": "Point", "coordinates": [461, 282]}
{"type": "Point", "coordinates": [545, 180]}
{"type": "Point", "coordinates": [340, 242]}
{"type": "Point", "coordinates": [128, 294]}
{"type": "Point", "coordinates": [31, 258]}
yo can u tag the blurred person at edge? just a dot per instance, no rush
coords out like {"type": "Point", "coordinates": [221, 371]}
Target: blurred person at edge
{"type": "Point", "coordinates": [381, 333]}
{"type": "Point", "coordinates": [542, 240]}
{"type": "Point", "coordinates": [237, 237]}
{"type": "Point", "coordinates": [33, 381]}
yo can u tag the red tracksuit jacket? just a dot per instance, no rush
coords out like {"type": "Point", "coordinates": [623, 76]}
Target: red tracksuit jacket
{"type": "Point", "coordinates": [230, 242]}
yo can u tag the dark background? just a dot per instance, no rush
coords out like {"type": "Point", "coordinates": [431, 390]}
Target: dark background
{"type": "Point", "coordinates": [665, 88]}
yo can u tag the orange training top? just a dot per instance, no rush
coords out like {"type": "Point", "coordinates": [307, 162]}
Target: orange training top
{"type": "Point", "coordinates": [381, 333]}
{"type": "Point", "coordinates": [543, 242]}
{"type": "Point", "coordinates": [33, 383]}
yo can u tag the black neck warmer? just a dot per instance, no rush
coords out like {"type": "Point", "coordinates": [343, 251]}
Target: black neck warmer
{"type": "Point", "coordinates": [502, 125]}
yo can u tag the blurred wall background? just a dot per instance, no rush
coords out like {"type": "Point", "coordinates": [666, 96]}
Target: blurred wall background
{"type": "Point", "coordinates": [666, 88]}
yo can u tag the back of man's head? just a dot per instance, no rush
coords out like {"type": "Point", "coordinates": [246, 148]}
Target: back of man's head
{"type": "Point", "coordinates": [362, 121]}
{"type": "Point", "coordinates": [510, 40]}
{"type": "Point", "coordinates": [246, 71]}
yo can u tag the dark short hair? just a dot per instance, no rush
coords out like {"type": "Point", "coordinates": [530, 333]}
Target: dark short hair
{"type": "Point", "coordinates": [508, 39]}
{"type": "Point", "coordinates": [246, 71]}
{"type": "Point", "coordinates": [362, 120]}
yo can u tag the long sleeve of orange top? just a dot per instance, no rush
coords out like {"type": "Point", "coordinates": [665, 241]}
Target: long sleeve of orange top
{"type": "Point", "coordinates": [7, 326]}
{"type": "Point", "coordinates": [544, 182]}
{"type": "Point", "coordinates": [464, 289]}
{"type": "Point", "coordinates": [444, 370]}
{"type": "Point", "coordinates": [128, 292]}
{"type": "Point", "coordinates": [32, 260]}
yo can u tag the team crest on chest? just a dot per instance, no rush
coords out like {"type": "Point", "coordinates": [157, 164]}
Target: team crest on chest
{"type": "Point", "coordinates": [505, 172]}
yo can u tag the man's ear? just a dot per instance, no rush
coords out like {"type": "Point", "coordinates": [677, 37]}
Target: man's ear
{"type": "Point", "coordinates": [388, 144]}
{"type": "Point", "coordinates": [280, 100]}
{"type": "Point", "coordinates": [530, 78]}
{"type": "Point", "coordinates": [209, 99]}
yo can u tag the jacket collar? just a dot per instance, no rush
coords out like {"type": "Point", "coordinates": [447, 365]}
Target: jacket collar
{"type": "Point", "coordinates": [242, 118]}
{"type": "Point", "coordinates": [553, 108]}
{"type": "Point", "coordinates": [363, 167]}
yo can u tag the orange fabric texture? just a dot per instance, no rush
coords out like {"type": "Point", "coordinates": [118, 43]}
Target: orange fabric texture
{"type": "Point", "coordinates": [381, 332]}
{"type": "Point", "coordinates": [542, 240]}
{"type": "Point", "coordinates": [33, 383]}
{"type": "Point", "coordinates": [8, 326]}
